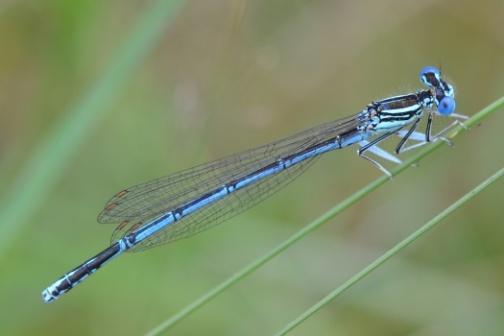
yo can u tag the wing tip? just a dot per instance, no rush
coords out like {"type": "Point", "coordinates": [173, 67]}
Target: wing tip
{"type": "Point", "coordinates": [105, 215]}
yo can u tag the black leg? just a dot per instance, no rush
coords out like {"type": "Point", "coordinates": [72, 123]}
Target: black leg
{"type": "Point", "coordinates": [364, 148]}
{"type": "Point", "coordinates": [428, 128]}
{"type": "Point", "coordinates": [374, 142]}
{"type": "Point", "coordinates": [405, 138]}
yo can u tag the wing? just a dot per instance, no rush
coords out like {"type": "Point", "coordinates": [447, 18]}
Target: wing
{"type": "Point", "coordinates": [155, 197]}
{"type": "Point", "coordinates": [215, 213]}
{"type": "Point", "coordinates": [137, 205]}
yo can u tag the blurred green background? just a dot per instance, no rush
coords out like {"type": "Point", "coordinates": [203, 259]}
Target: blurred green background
{"type": "Point", "coordinates": [219, 77]}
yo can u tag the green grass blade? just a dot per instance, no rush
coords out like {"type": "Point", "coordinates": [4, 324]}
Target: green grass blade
{"type": "Point", "coordinates": [352, 199]}
{"type": "Point", "coordinates": [52, 156]}
{"type": "Point", "coordinates": [392, 252]}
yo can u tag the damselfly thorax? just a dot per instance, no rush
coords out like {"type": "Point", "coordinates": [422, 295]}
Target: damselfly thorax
{"type": "Point", "coordinates": [394, 113]}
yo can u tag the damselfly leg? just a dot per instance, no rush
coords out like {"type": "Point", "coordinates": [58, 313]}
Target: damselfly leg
{"type": "Point", "coordinates": [405, 138]}
{"type": "Point", "coordinates": [456, 122]}
{"type": "Point", "coordinates": [427, 137]}
{"type": "Point", "coordinates": [372, 146]}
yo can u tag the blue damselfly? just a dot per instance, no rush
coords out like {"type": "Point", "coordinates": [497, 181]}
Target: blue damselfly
{"type": "Point", "coordinates": [185, 203]}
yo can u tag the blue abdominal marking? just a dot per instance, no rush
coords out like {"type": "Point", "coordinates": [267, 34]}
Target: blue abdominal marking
{"type": "Point", "coordinates": [155, 226]}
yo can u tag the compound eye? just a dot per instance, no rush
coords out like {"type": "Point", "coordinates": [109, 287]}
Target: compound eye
{"type": "Point", "coordinates": [447, 106]}
{"type": "Point", "coordinates": [429, 70]}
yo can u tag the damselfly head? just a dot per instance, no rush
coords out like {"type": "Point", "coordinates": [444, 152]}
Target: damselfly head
{"type": "Point", "coordinates": [444, 93]}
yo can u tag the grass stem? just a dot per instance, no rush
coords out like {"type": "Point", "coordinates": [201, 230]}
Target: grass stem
{"type": "Point", "coordinates": [50, 158]}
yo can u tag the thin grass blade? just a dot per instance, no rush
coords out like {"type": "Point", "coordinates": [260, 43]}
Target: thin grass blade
{"type": "Point", "coordinates": [50, 159]}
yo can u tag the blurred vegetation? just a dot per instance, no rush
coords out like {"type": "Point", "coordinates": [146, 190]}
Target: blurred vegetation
{"type": "Point", "coordinates": [225, 76]}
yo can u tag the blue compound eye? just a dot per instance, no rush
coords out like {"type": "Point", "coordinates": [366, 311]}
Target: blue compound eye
{"type": "Point", "coordinates": [447, 106]}
{"type": "Point", "coordinates": [429, 70]}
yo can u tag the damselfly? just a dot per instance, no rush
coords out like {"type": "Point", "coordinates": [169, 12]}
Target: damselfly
{"type": "Point", "coordinates": [185, 203]}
